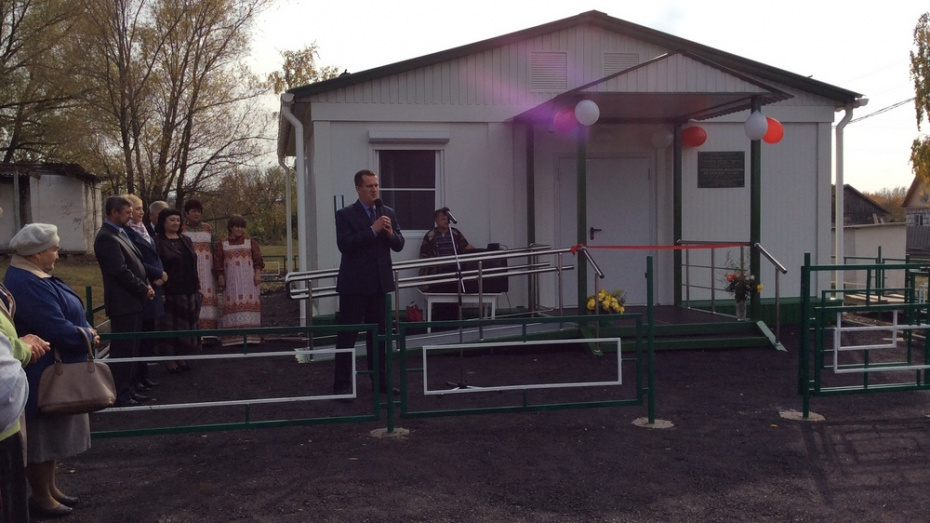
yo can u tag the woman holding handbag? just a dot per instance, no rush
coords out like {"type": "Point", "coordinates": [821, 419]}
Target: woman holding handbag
{"type": "Point", "coordinates": [48, 308]}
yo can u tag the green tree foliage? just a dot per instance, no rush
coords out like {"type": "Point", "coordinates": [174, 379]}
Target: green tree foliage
{"type": "Point", "coordinates": [892, 200]}
{"type": "Point", "coordinates": [300, 68]}
{"type": "Point", "coordinates": [33, 99]}
{"type": "Point", "coordinates": [256, 195]}
{"type": "Point", "coordinates": [920, 74]}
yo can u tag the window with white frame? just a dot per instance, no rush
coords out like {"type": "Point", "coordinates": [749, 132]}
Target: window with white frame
{"type": "Point", "coordinates": [408, 184]}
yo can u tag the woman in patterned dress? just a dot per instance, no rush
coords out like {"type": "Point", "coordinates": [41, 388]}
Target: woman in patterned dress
{"type": "Point", "coordinates": [201, 235]}
{"type": "Point", "coordinates": [238, 264]}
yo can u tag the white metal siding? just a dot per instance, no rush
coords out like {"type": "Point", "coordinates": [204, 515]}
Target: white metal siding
{"type": "Point", "coordinates": [495, 77]}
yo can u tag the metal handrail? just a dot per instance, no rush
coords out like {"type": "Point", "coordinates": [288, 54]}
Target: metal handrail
{"type": "Point", "coordinates": [779, 270]}
{"type": "Point", "coordinates": [776, 263]}
{"type": "Point", "coordinates": [300, 285]}
{"type": "Point", "coordinates": [713, 269]}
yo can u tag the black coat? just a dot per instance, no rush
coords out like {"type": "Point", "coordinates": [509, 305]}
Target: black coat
{"type": "Point", "coordinates": [366, 265]}
{"type": "Point", "coordinates": [125, 285]}
{"type": "Point", "coordinates": [154, 308]}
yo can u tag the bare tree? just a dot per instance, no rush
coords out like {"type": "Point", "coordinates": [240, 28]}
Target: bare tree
{"type": "Point", "coordinates": [172, 104]}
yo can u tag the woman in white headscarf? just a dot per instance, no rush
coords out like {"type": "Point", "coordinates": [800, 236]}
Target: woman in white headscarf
{"type": "Point", "coordinates": [45, 306]}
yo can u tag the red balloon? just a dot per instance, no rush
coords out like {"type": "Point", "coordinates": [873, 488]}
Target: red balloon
{"type": "Point", "coordinates": [775, 132]}
{"type": "Point", "coordinates": [564, 120]}
{"type": "Point", "coordinates": [693, 136]}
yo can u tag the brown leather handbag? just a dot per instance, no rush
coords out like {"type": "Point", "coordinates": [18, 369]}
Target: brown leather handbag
{"type": "Point", "coordinates": [76, 388]}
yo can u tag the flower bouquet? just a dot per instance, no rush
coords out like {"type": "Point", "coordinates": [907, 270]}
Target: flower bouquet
{"type": "Point", "coordinates": [607, 302]}
{"type": "Point", "coordinates": [741, 285]}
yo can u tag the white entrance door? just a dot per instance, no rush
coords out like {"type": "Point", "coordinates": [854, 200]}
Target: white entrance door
{"type": "Point", "coordinates": [620, 212]}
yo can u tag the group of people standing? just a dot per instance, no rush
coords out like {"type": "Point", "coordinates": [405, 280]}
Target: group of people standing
{"type": "Point", "coordinates": [177, 259]}
{"type": "Point", "coordinates": [157, 276]}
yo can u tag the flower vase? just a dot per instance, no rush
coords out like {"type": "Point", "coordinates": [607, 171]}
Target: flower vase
{"type": "Point", "coordinates": [741, 310]}
{"type": "Point", "coordinates": [599, 312]}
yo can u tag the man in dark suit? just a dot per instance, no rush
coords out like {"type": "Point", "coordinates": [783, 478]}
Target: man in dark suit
{"type": "Point", "coordinates": [366, 233]}
{"type": "Point", "coordinates": [125, 291]}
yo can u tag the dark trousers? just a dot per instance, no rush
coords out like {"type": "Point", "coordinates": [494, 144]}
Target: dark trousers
{"type": "Point", "coordinates": [14, 494]}
{"type": "Point", "coordinates": [125, 375]}
{"type": "Point", "coordinates": [355, 309]}
{"type": "Point", "coordinates": [146, 348]}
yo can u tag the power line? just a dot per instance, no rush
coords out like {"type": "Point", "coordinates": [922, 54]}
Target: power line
{"type": "Point", "coordinates": [885, 110]}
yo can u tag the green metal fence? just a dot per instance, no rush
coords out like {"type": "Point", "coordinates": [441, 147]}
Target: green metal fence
{"type": "Point", "coordinates": [863, 340]}
{"type": "Point", "coordinates": [634, 360]}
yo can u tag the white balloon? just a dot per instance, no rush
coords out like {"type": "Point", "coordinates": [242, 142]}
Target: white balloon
{"type": "Point", "coordinates": [587, 112]}
{"type": "Point", "coordinates": [662, 139]}
{"type": "Point", "coordinates": [756, 125]}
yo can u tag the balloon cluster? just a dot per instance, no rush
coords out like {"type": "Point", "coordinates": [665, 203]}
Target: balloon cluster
{"type": "Point", "coordinates": [585, 112]}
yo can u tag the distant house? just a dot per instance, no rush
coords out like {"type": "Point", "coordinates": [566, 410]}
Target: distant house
{"type": "Point", "coordinates": [63, 194]}
{"type": "Point", "coordinates": [917, 208]}
{"type": "Point", "coordinates": [869, 234]}
{"type": "Point", "coordinates": [859, 209]}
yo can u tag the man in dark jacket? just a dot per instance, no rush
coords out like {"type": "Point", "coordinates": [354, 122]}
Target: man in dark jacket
{"type": "Point", "coordinates": [366, 233]}
{"type": "Point", "coordinates": [125, 291]}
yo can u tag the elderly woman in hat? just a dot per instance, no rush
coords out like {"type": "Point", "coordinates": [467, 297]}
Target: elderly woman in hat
{"type": "Point", "coordinates": [14, 493]}
{"type": "Point", "coordinates": [45, 306]}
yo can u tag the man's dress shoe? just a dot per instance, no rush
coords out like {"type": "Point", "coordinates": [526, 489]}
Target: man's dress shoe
{"type": "Point", "coordinates": [141, 398]}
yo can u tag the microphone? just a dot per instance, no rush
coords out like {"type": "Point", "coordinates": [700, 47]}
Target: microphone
{"type": "Point", "coordinates": [449, 215]}
{"type": "Point", "coordinates": [379, 207]}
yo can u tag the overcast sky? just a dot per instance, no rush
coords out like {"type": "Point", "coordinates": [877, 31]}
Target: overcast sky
{"type": "Point", "coordinates": [841, 43]}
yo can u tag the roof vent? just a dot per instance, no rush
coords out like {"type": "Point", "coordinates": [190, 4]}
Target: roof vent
{"type": "Point", "coordinates": [548, 71]}
{"type": "Point", "coordinates": [616, 62]}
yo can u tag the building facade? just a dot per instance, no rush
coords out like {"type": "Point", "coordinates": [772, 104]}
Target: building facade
{"type": "Point", "coordinates": [485, 129]}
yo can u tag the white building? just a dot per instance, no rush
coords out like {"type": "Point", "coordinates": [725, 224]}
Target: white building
{"type": "Point", "coordinates": [474, 128]}
{"type": "Point", "coordinates": [62, 194]}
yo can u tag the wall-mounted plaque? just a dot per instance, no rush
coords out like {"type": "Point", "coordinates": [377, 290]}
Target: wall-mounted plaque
{"type": "Point", "coordinates": [721, 169]}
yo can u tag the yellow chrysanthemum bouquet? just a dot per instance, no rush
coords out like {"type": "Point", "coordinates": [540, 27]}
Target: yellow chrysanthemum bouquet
{"type": "Point", "coordinates": [607, 302]}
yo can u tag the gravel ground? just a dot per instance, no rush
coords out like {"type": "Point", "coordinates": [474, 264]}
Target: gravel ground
{"type": "Point", "coordinates": [728, 456]}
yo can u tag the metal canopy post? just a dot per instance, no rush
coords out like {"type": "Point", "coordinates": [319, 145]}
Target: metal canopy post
{"type": "Point", "coordinates": [582, 210]}
{"type": "Point", "coordinates": [755, 211]}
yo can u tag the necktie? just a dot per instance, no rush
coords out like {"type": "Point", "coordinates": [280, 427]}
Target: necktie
{"type": "Point", "coordinates": [371, 214]}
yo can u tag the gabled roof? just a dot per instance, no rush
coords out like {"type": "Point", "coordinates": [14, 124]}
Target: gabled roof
{"type": "Point", "coordinates": [917, 196]}
{"type": "Point", "coordinates": [731, 61]}
{"type": "Point", "coordinates": [653, 91]}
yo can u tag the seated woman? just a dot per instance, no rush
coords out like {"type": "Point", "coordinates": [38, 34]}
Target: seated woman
{"type": "Point", "coordinates": [443, 240]}
{"type": "Point", "coordinates": [48, 308]}
{"type": "Point", "coordinates": [181, 291]}
{"type": "Point", "coordinates": [237, 265]}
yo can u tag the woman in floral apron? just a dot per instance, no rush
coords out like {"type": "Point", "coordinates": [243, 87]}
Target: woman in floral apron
{"type": "Point", "coordinates": [238, 264]}
{"type": "Point", "coordinates": [201, 235]}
